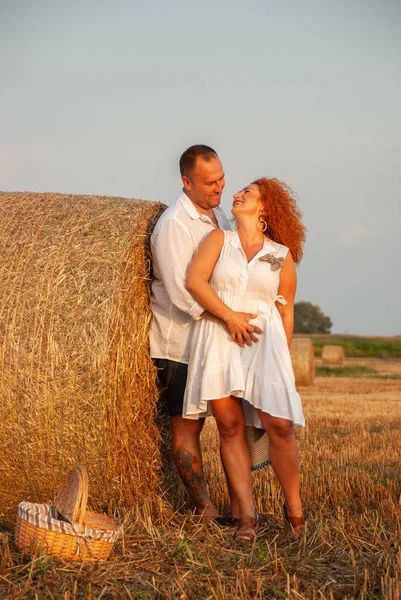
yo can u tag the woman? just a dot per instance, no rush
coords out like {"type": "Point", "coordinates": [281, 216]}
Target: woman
{"type": "Point", "coordinates": [250, 270]}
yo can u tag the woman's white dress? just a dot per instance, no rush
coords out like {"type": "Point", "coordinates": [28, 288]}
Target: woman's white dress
{"type": "Point", "coordinates": [260, 374]}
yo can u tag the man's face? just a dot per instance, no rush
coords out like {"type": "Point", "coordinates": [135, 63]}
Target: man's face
{"type": "Point", "coordinates": [205, 184]}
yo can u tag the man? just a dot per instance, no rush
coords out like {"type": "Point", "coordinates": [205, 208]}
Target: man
{"type": "Point", "coordinates": [174, 242]}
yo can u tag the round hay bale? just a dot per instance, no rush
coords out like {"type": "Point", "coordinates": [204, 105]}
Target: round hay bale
{"type": "Point", "coordinates": [77, 385]}
{"type": "Point", "coordinates": [303, 361]}
{"type": "Point", "coordinates": [333, 355]}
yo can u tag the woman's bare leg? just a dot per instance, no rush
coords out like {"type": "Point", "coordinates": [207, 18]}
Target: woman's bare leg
{"type": "Point", "coordinates": [234, 451]}
{"type": "Point", "coordinates": [284, 459]}
{"type": "Point", "coordinates": [235, 510]}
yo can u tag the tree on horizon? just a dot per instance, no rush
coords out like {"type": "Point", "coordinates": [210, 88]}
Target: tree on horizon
{"type": "Point", "coordinates": [309, 318]}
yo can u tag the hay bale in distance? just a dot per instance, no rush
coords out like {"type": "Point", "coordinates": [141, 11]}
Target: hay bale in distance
{"type": "Point", "coordinates": [76, 381]}
{"type": "Point", "coordinates": [333, 355]}
{"type": "Point", "coordinates": [303, 360]}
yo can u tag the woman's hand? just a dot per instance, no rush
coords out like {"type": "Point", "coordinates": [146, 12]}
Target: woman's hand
{"type": "Point", "coordinates": [241, 331]}
{"type": "Point", "coordinates": [251, 335]}
{"type": "Point", "coordinates": [198, 285]}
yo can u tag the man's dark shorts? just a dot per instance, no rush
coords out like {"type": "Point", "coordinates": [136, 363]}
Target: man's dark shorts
{"type": "Point", "coordinates": [172, 379]}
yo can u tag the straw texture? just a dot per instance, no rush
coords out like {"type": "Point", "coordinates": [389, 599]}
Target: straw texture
{"type": "Point", "coordinates": [303, 360]}
{"type": "Point", "coordinates": [76, 381]}
{"type": "Point", "coordinates": [333, 355]}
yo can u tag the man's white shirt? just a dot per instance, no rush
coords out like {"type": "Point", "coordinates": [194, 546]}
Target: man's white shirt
{"type": "Point", "coordinates": [174, 241]}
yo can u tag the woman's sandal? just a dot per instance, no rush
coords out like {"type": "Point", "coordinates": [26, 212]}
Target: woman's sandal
{"type": "Point", "coordinates": [260, 520]}
{"type": "Point", "coordinates": [226, 521]}
{"type": "Point", "coordinates": [246, 531]}
{"type": "Point", "coordinates": [297, 524]}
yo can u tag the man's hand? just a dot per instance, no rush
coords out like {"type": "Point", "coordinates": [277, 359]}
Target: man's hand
{"type": "Point", "coordinates": [241, 331]}
{"type": "Point", "coordinates": [251, 329]}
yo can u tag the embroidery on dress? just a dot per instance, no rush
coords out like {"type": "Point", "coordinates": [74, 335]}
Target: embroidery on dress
{"type": "Point", "coordinates": [275, 263]}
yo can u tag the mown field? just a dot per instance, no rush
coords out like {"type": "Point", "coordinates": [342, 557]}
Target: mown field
{"type": "Point", "coordinates": [358, 346]}
{"type": "Point", "coordinates": [351, 487]}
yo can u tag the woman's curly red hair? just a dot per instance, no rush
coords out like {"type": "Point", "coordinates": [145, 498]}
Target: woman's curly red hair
{"type": "Point", "coordinates": [283, 217]}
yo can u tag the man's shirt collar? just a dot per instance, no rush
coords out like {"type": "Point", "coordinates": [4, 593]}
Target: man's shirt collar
{"type": "Point", "coordinates": [194, 213]}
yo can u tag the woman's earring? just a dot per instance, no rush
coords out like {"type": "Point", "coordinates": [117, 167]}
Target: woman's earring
{"type": "Point", "coordinates": [261, 224]}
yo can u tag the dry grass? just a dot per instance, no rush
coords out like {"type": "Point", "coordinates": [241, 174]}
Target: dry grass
{"type": "Point", "coordinates": [76, 381]}
{"type": "Point", "coordinates": [386, 367]}
{"type": "Point", "coordinates": [351, 482]}
{"type": "Point", "coordinates": [358, 345]}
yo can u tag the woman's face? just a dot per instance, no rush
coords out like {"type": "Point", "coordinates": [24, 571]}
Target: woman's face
{"type": "Point", "coordinates": [247, 202]}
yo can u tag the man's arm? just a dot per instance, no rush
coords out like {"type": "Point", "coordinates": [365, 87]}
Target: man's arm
{"type": "Point", "coordinates": [172, 252]}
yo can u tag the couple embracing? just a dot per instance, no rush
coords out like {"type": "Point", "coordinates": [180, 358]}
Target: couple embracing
{"type": "Point", "coordinates": [223, 305]}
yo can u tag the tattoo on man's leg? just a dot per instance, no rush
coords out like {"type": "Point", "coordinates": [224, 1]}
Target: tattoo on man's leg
{"type": "Point", "coordinates": [191, 473]}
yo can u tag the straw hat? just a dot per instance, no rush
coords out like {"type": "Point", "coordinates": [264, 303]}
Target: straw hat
{"type": "Point", "coordinates": [258, 446]}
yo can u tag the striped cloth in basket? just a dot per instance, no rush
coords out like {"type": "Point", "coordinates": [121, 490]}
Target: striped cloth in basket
{"type": "Point", "coordinates": [45, 516]}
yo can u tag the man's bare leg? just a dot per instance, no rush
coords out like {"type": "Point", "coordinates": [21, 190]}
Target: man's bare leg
{"type": "Point", "coordinates": [188, 460]}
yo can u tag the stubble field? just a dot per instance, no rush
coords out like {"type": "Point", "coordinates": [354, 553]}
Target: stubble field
{"type": "Point", "coordinates": [351, 488]}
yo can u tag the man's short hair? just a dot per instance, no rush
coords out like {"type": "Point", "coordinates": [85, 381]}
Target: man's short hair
{"type": "Point", "coordinates": [188, 158]}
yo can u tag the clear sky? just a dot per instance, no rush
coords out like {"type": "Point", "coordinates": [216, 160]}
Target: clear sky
{"type": "Point", "coordinates": [101, 97]}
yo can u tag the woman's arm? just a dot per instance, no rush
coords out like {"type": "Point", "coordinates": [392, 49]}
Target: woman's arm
{"type": "Point", "coordinates": [287, 289]}
{"type": "Point", "coordinates": [199, 287]}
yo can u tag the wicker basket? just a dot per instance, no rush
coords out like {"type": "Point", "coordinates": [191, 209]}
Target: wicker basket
{"type": "Point", "coordinates": [41, 528]}
{"type": "Point", "coordinates": [258, 446]}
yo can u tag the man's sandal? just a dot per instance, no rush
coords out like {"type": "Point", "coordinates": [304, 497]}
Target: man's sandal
{"type": "Point", "coordinates": [226, 521]}
{"type": "Point", "coordinates": [246, 531]}
{"type": "Point", "coordinates": [259, 519]}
